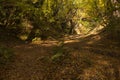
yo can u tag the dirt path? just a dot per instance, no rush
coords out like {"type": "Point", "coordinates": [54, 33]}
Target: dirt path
{"type": "Point", "coordinates": [85, 60]}
{"type": "Point", "coordinates": [27, 65]}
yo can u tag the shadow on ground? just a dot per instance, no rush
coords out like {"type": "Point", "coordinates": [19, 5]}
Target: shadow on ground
{"type": "Point", "coordinates": [90, 58]}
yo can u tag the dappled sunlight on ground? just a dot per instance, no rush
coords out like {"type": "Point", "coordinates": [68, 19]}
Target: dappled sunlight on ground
{"type": "Point", "coordinates": [82, 59]}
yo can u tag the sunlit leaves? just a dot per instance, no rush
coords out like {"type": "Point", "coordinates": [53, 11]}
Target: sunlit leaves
{"type": "Point", "coordinates": [43, 14]}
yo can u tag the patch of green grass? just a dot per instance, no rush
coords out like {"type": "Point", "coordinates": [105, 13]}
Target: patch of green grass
{"type": "Point", "coordinates": [59, 52]}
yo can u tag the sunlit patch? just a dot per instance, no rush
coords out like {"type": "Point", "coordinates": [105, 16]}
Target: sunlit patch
{"type": "Point", "coordinates": [97, 30]}
{"type": "Point", "coordinates": [103, 62]}
{"type": "Point", "coordinates": [91, 74]}
{"type": "Point", "coordinates": [23, 37]}
{"type": "Point", "coordinates": [71, 41]}
{"type": "Point", "coordinates": [90, 42]}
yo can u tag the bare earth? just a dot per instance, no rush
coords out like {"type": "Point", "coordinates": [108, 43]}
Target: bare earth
{"type": "Point", "coordinates": [85, 59]}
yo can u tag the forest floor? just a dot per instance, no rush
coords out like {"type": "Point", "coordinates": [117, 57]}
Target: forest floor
{"type": "Point", "coordinates": [90, 58]}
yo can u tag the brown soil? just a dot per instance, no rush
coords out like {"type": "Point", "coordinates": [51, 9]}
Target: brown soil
{"type": "Point", "coordinates": [85, 59]}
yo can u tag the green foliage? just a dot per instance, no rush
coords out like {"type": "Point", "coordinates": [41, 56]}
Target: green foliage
{"type": "Point", "coordinates": [6, 55]}
{"type": "Point", "coordinates": [53, 16]}
{"type": "Point", "coordinates": [60, 52]}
